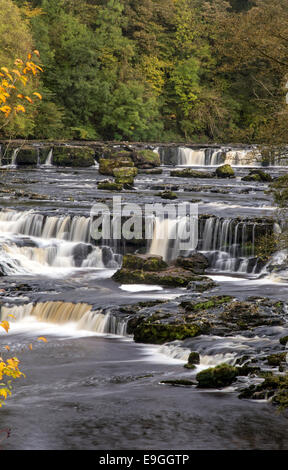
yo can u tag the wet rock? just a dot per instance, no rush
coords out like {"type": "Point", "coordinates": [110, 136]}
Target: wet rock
{"type": "Point", "coordinates": [108, 165]}
{"type": "Point", "coordinates": [73, 156]}
{"type": "Point", "coordinates": [125, 175]}
{"type": "Point", "coordinates": [144, 262]}
{"type": "Point", "coordinates": [146, 159]}
{"type": "Point", "coordinates": [171, 277]}
{"type": "Point", "coordinates": [27, 156]}
{"type": "Point", "coordinates": [258, 176]}
{"type": "Point", "coordinates": [189, 173]}
{"type": "Point", "coordinates": [168, 195]}
{"type": "Point", "coordinates": [179, 382]}
{"type": "Point", "coordinates": [152, 171]}
{"type": "Point", "coordinates": [283, 340]}
{"type": "Point", "coordinates": [196, 263]}
{"type": "Point", "coordinates": [220, 376]}
{"type": "Point", "coordinates": [110, 186]}
{"type": "Point", "coordinates": [194, 358]}
{"type": "Point", "coordinates": [273, 387]}
{"type": "Point", "coordinates": [80, 252]}
{"type": "Point", "coordinates": [275, 360]}
{"type": "Point", "coordinates": [159, 333]}
{"type": "Point", "coordinates": [225, 171]}
{"type": "Point", "coordinates": [201, 285]}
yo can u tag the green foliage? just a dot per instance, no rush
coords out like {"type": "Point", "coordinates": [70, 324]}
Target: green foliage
{"type": "Point", "coordinates": [153, 70]}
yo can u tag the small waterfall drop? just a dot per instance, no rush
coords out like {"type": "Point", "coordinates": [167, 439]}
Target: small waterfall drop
{"type": "Point", "coordinates": [81, 315]}
{"type": "Point", "coordinates": [49, 158]}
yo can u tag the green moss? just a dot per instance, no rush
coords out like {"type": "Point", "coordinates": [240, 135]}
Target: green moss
{"type": "Point", "coordinates": [283, 340]}
{"type": "Point", "coordinates": [125, 175]}
{"type": "Point", "coordinates": [146, 159]}
{"type": "Point", "coordinates": [189, 173]}
{"type": "Point", "coordinates": [110, 186]}
{"type": "Point", "coordinates": [108, 165]}
{"type": "Point", "coordinates": [225, 171]}
{"type": "Point", "coordinates": [27, 156]}
{"type": "Point", "coordinates": [168, 195]}
{"type": "Point", "coordinates": [73, 156]}
{"type": "Point", "coordinates": [147, 263]}
{"type": "Point", "coordinates": [211, 303]}
{"type": "Point", "coordinates": [276, 359]}
{"type": "Point", "coordinates": [159, 333]}
{"type": "Point", "coordinates": [217, 377]}
{"type": "Point", "coordinates": [194, 358]}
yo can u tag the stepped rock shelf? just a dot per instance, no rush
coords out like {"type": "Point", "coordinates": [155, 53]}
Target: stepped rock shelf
{"type": "Point", "coordinates": [210, 317]}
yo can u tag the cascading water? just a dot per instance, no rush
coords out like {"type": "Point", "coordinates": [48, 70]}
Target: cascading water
{"type": "Point", "coordinates": [49, 158]}
{"type": "Point", "coordinates": [81, 315]}
{"type": "Point", "coordinates": [170, 234]}
{"type": "Point", "coordinates": [31, 242]}
{"type": "Point", "coordinates": [228, 244]}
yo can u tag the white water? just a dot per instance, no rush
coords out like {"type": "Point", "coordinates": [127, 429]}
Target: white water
{"type": "Point", "coordinates": [49, 158]}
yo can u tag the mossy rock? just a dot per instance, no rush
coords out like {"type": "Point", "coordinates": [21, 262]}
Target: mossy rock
{"type": "Point", "coordinates": [110, 186]}
{"type": "Point", "coordinates": [194, 358]}
{"type": "Point", "coordinates": [220, 376]}
{"type": "Point", "coordinates": [73, 156]}
{"type": "Point", "coordinates": [258, 176]}
{"type": "Point", "coordinates": [201, 284]}
{"type": "Point", "coordinates": [275, 360]}
{"type": "Point", "coordinates": [27, 156]}
{"type": "Point", "coordinates": [189, 173]}
{"type": "Point", "coordinates": [125, 175]}
{"type": "Point", "coordinates": [283, 340]}
{"type": "Point", "coordinates": [225, 171]}
{"type": "Point", "coordinates": [168, 195]}
{"type": "Point", "coordinates": [160, 333]}
{"type": "Point", "coordinates": [171, 277]}
{"type": "Point", "coordinates": [108, 165]}
{"type": "Point", "coordinates": [146, 159]}
{"type": "Point", "coordinates": [144, 262]}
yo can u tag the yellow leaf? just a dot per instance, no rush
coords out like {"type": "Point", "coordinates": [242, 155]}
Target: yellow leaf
{"type": "Point", "coordinates": [28, 99]}
{"type": "Point", "coordinates": [7, 347]}
{"type": "Point", "coordinates": [12, 316]}
{"type": "Point", "coordinates": [5, 325]}
{"type": "Point", "coordinates": [38, 95]}
{"type": "Point", "coordinates": [5, 69]}
{"type": "Point", "coordinates": [37, 52]}
{"type": "Point", "coordinates": [30, 346]}
{"type": "Point", "coordinates": [42, 338]}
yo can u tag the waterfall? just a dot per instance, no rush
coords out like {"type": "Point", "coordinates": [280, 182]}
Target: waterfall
{"type": "Point", "coordinates": [170, 234]}
{"type": "Point", "coordinates": [189, 157]}
{"type": "Point", "coordinates": [49, 158]}
{"type": "Point", "coordinates": [212, 156]}
{"type": "Point", "coordinates": [31, 242]}
{"type": "Point", "coordinates": [228, 244]}
{"type": "Point", "coordinates": [14, 158]}
{"type": "Point", "coordinates": [81, 315]}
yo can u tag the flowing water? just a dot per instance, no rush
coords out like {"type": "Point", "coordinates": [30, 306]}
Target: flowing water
{"type": "Point", "coordinates": [90, 386]}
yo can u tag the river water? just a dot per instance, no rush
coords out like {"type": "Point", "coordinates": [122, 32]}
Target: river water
{"type": "Point", "coordinates": [85, 388]}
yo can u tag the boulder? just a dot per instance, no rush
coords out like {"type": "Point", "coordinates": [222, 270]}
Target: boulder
{"type": "Point", "coordinates": [220, 376]}
{"type": "Point", "coordinates": [108, 165]}
{"type": "Point", "coordinates": [125, 175]}
{"type": "Point", "coordinates": [110, 186]}
{"type": "Point", "coordinates": [225, 171]}
{"type": "Point", "coordinates": [145, 159]}
{"type": "Point", "coordinates": [196, 263]}
{"type": "Point", "coordinates": [258, 176]}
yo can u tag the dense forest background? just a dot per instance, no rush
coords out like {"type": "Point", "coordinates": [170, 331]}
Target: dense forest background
{"type": "Point", "coordinates": [152, 70]}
